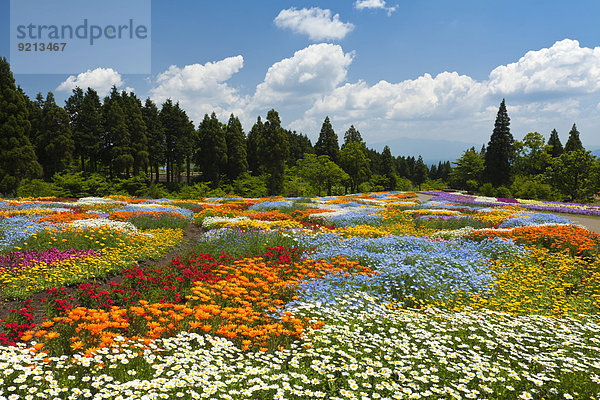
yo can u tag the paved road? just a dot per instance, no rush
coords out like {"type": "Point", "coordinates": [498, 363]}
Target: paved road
{"type": "Point", "coordinates": [591, 223]}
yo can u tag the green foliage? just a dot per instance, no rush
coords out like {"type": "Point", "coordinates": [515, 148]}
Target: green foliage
{"type": "Point", "coordinates": [500, 150]}
{"type": "Point", "coordinates": [404, 184]}
{"type": "Point", "coordinates": [487, 190]}
{"type": "Point", "coordinates": [469, 167]}
{"type": "Point", "coordinates": [555, 146]}
{"type": "Point", "coordinates": [252, 147]}
{"type": "Point", "coordinates": [388, 166]}
{"type": "Point", "coordinates": [503, 191]}
{"type": "Point", "coordinates": [575, 174]}
{"type": "Point", "coordinates": [321, 172]}
{"type": "Point", "coordinates": [17, 155]}
{"type": "Point", "coordinates": [355, 163]}
{"type": "Point", "coordinates": [526, 188]}
{"type": "Point", "coordinates": [352, 135]}
{"type": "Point", "coordinates": [421, 172]}
{"type": "Point", "coordinates": [136, 127]}
{"type": "Point", "coordinates": [235, 139]}
{"type": "Point", "coordinates": [327, 144]}
{"type": "Point", "coordinates": [37, 188]}
{"type": "Point", "coordinates": [156, 137]}
{"type": "Point", "coordinates": [211, 156]}
{"type": "Point", "coordinates": [295, 186]}
{"type": "Point", "coordinates": [573, 143]}
{"type": "Point", "coordinates": [273, 150]}
{"type": "Point", "coordinates": [299, 145]}
{"type": "Point", "coordinates": [531, 155]}
{"type": "Point", "coordinates": [247, 185]}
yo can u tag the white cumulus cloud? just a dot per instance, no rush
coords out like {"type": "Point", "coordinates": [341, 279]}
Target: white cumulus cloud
{"type": "Point", "coordinates": [374, 4]}
{"type": "Point", "coordinates": [315, 22]}
{"type": "Point", "coordinates": [301, 79]}
{"type": "Point", "coordinates": [99, 79]}
{"type": "Point", "coordinates": [565, 67]}
{"type": "Point", "coordinates": [201, 88]}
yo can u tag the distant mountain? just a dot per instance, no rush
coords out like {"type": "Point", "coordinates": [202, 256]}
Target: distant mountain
{"type": "Point", "coordinates": [433, 151]}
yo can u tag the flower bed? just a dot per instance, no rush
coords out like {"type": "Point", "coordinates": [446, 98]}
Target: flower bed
{"type": "Point", "coordinates": [360, 296]}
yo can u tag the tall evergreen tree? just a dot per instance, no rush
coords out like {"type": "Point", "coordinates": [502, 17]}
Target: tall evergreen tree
{"type": "Point", "coordinates": [53, 141]}
{"type": "Point", "coordinates": [156, 137]}
{"type": "Point", "coordinates": [556, 147]}
{"type": "Point", "coordinates": [573, 143]}
{"type": "Point", "coordinates": [252, 147]}
{"type": "Point", "coordinates": [352, 135]}
{"type": "Point", "coordinates": [180, 139]}
{"type": "Point", "coordinates": [500, 152]}
{"type": "Point", "coordinates": [137, 132]}
{"type": "Point", "coordinates": [327, 145]}
{"type": "Point", "coordinates": [299, 146]}
{"type": "Point", "coordinates": [212, 155]}
{"type": "Point", "coordinates": [273, 149]}
{"type": "Point", "coordinates": [117, 142]}
{"type": "Point", "coordinates": [17, 154]}
{"type": "Point", "coordinates": [388, 168]}
{"type": "Point", "coordinates": [237, 157]}
{"type": "Point", "coordinates": [85, 113]}
{"type": "Point", "coordinates": [421, 172]}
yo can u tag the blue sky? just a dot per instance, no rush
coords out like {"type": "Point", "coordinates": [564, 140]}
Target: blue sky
{"type": "Point", "coordinates": [423, 76]}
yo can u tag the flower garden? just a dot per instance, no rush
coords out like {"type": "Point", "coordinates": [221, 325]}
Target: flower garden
{"type": "Point", "coordinates": [372, 296]}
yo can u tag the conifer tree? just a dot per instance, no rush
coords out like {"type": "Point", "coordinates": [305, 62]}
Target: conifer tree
{"type": "Point", "coordinates": [212, 155]}
{"type": "Point", "coordinates": [17, 154]}
{"type": "Point", "coordinates": [500, 150]}
{"type": "Point", "coordinates": [53, 140]}
{"type": "Point", "coordinates": [352, 135]}
{"type": "Point", "coordinates": [556, 146]}
{"type": "Point", "coordinates": [117, 142]}
{"type": "Point", "coordinates": [252, 147]}
{"type": "Point", "coordinates": [388, 168]}
{"type": "Point", "coordinates": [156, 137]}
{"type": "Point", "coordinates": [137, 132]}
{"type": "Point", "coordinates": [237, 162]}
{"type": "Point", "coordinates": [327, 144]}
{"type": "Point", "coordinates": [421, 172]}
{"type": "Point", "coordinates": [573, 143]}
{"type": "Point", "coordinates": [273, 150]}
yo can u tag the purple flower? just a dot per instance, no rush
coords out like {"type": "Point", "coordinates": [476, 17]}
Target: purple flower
{"type": "Point", "coordinates": [18, 260]}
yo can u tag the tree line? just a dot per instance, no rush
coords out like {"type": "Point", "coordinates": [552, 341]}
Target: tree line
{"type": "Point", "coordinates": [532, 168]}
{"type": "Point", "coordinates": [90, 142]}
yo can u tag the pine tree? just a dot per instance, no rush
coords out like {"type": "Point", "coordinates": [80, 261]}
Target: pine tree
{"type": "Point", "coordinates": [85, 113]}
{"type": "Point", "coordinates": [299, 146]}
{"type": "Point", "coordinates": [180, 139]}
{"type": "Point", "coordinates": [252, 147]}
{"type": "Point", "coordinates": [117, 142]}
{"type": "Point", "coordinates": [352, 135]}
{"type": "Point", "coordinates": [556, 146]}
{"type": "Point", "coordinates": [388, 168]}
{"type": "Point", "coordinates": [212, 155]}
{"type": "Point", "coordinates": [500, 150]}
{"type": "Point", "coordinates": [156, 137]}
{"type": "Point", "coordinates": [137, 132]}
{"type": "Point", "coordinates": [237, 162]}
{"type": "Point", "coordinates": [273, 150]}
{"type": "Point", "coordinates": [53, 140]}
{"type": "Point", "coordinates": [327, 145]}
{"type": "Point", "coordinates": [573, 143]}
{"type": "Point", "coordinates": [421, 172]}
{"type": "Point", "coordinates": [17, 154]}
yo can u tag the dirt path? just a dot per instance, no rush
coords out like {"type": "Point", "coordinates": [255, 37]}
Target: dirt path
{"type": "Point", "coordinates": [39, 306]}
